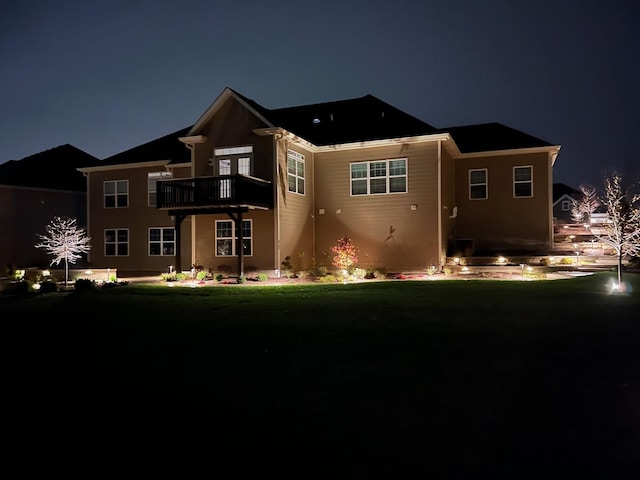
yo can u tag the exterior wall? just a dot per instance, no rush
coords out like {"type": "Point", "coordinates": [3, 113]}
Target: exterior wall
{"type": "Point", "coordinates": [262, 257]}
{"type": "Point", "coordinates": [560, 216]}
{"type": "Point", "coordinates": [502, 223]}
{"type": "Point", "coordinates": [233, 126]}
{"type": "Point", "coordinates": [295, 212]}
{"type": "Point", "coordinates": [25, 212]}
{"type": "Point", "coordinates": [449, 206]}
{"type": "Point", "coordinates": [387, 232]}
{"type": "Point", "coordinates": [138, 217]}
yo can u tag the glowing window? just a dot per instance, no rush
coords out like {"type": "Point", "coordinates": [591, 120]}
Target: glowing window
{"type": "Point", "coordinates": [295, 172]}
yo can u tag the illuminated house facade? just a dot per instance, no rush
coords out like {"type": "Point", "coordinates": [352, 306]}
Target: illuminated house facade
{"type": "Point", "coordinates": [246, 186]}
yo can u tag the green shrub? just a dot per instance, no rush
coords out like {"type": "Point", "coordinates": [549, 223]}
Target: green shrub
{"type": "Point", "coordinates": [201, 275]}
{"type": "Point", "coordinates": [263, 277]}
{"type": "Point", "coordinates": [241, 279]}
{"type": "Point", "coordinates": [219, 277]}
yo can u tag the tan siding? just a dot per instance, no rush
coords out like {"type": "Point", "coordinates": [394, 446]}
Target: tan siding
{"type": "Point", "coordinates": [384, 228]}
{"type": "Point", "coordinates": [296, 212]}
{"type": "Point", "coordinates": [503, 222]}
{"type": "Point", "coordinates": [262, 233]}
{"type": "Point", "coordinates": [138, 217]}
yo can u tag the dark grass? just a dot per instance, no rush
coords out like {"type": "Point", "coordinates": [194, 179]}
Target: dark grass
{"type": "Point", "coordinates": [407, 379]}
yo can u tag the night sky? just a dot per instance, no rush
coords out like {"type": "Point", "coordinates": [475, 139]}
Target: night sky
{"type": "Point", "coordinates": [107, 76]}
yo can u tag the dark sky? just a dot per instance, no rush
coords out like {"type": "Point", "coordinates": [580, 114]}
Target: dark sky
{"type": "Point", "coordinates": [107, 76]}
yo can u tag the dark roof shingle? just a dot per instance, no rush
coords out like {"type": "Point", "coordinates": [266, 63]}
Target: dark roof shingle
{"type": "Point", "coordinates": [54, 168]}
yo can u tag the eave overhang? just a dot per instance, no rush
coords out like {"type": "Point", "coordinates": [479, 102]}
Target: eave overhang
{"type": "Point", "coordinates": [123, 166]}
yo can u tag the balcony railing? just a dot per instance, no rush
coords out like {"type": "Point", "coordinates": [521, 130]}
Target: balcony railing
{"type": "Point", "coordinates": [222, 191]}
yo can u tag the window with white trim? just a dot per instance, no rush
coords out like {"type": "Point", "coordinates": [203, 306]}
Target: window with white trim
{"type": "Point", "coordinates": [295, 171]}
{"type": "Point", "coordinates": [232, 160]}
{"type": "Point", "coordinates": [162, 241]}
{"type": "Point", "coordinates": [116, 193]}
{"type": "Point", "coordinates": [116, 242]}
{"type": "Point", "coordinates": [523, 182]}
{"type": "Point", "coordinates": [379, 177]}
{"type": "Point", "coordinates": [478, 184]}
{"type": "Point", "coordinates": [226, 240]}
{"type": "Point", "coordinates": [152, 180]}
{"type": "Point", "coordinates": [566, 205]}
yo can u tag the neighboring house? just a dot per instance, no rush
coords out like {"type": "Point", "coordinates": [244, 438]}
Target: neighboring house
{"type": "Point", "coordinates": [246, 186]}
{"type": "Point", "coordinates": [33, 191]}
{"type": "Point", "coordinates": [563, 197]}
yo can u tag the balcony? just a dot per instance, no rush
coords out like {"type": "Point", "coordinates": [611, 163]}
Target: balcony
{"type": "Point", "coordinates": [214, 193]}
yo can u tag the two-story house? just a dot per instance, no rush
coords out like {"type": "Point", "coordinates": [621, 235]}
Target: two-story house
{"type": "Point", "coordinates": [249, 186]}
{"type": "Point", "coordinates": [33, 191]}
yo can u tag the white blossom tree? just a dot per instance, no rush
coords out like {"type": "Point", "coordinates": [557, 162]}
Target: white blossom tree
{"type": "Point", "coordinates": [64, 241]}
{"type": "Point", "coordinates": [621, 230]}
{"type": "Point", "coordinates": [583, 207]}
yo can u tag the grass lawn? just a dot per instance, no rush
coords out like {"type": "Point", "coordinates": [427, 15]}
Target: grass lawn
{"type": "Point", "coordinates": [404, 379]}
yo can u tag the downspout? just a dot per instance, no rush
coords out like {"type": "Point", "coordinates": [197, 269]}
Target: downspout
{"type": "Point", "coordinates": [276, 217]}
{"type": "Point", "coordinates": [88, 214]}
{"type": "Point", "coordinates": [191, 147]}
{"type": "Point", "coordinates": [440, 255]}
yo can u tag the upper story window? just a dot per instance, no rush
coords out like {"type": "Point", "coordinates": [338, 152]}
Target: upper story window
{"type": "Point", "coordinates": [379, 177]}
{"type": "Point", "coordinates": [566, 205]}
{"type": "Point", "coordinates": [478, 184]}
{"type": "Point", "coordinates": [295, 171]}
{"type": "Point", "coordinates": [523, 182]}
{"type": "Point", "coordinates": [162, 241]}
{"type": "Point", "coordinates": [233, 160]}
{"type": "Point", "coordinates": [116, 194]}
{"type": "Point", "coordinates": [152, 179]}
{"type": "Point", "coordinates": [116, 242]}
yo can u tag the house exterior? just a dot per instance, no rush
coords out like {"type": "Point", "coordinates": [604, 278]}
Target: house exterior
{"type": "Point", "coordinates": [246, 186]}
{"type": "Point", "coordinates": [563, 197]}
{"type": "Point", "coordinates": [33, 190]}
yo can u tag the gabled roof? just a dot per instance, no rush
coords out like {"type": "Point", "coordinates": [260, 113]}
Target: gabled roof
{"type": "Point", "coordinates": [168, 147]}
{"type": "Point", "coordinates": [348, 121]}
{"type": "Point", "coordinates": [487, 137]}
{"type": "Point", "coordinates": [54, 169]}
{"type": "Point", "coordinates": [560, 190]}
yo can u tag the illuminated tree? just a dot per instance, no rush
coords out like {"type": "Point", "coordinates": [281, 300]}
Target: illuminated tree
{"type": "Point", "coordinates": [621, 230]}
{"type": "Point", "coordinates": [346, 256]}
{"type": "Point", "coordinates": [64, 241]}
{"type": "Point", "coordinates": [582, 208]}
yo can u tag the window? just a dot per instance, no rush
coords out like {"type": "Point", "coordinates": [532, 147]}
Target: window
{"type": "Point", "coordinates": [232, 160]}
{"type": "Point", "coordinates": [244, 166]}
{"type": "Point", "coordinates": [295, 171]}
{"type": "Point", "coordinates": [152, 179]}
{"type": "Point", "coordinates": [162, 241]}
{"type": "Point", "coordinates": [379, 177]}
{"type": "Point", "coordinates": [116, 242]}
{"type": "Point", "coordinates": [226, 238]}
{"type": "Point", "coordinates": [566, 205]}
{"type": "Point", "coordinates": [522, 182]}
{"type": "Point", "coordinates": [116, 194]}
{"type": "Point", "coordinates": [478, 184]}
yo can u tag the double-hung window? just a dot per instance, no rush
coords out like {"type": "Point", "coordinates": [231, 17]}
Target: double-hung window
{"type": "Point", "coordinates": [162, 241]}
{"type": "Point", "coordinates": [379, 177]}
{"type": "Point", "coordinates": [226, 239]}
{"type": "Point", "coordinates": [478, 184]}
{"type": "Point", "coordinates": [152, 180]}
{"type": "Point", "coordinates": [116, 194]}
{"type": "Point", "coordinates": [295, 171]}
{"type": "Point", "coordinates": [116, 242]}
{"type": "Point", "coordinates": [523, 182]}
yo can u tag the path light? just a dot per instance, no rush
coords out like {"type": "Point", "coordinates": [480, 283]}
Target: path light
{"type": "Point", "coordinates": [502, 260]}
